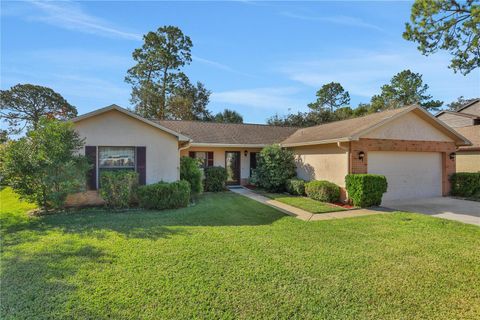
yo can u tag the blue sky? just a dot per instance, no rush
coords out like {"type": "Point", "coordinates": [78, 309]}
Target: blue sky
{"type": "Point", "coordinates": [259, 58]}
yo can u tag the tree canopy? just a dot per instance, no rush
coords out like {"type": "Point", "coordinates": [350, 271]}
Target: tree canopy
{"type": "Point", "coordinates": [23, 105]}
{"type": "Point", "coordinates": [448, 25]}
{"type": "Point", "coordinates": [228, 116]}
{"type": "Point", "coordinates": [330, 96]}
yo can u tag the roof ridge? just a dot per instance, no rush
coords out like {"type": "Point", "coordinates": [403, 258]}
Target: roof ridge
{"type": "Point", "coordinates": [225, 123]}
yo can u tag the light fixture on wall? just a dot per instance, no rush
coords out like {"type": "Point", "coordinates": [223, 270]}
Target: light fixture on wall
{"type": "Point", "coordinates": [452, 156]}
{"type": "Point", "coordinates": [245, 153]}
{"type": "Point", "coordinates": [361, 155]}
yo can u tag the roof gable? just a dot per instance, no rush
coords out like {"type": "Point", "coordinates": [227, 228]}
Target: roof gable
{"type": "Point", "coordinates": [115, 107]}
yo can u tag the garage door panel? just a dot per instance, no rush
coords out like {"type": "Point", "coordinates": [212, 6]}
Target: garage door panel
{"type": "Point", "coordinates": [410, 175]}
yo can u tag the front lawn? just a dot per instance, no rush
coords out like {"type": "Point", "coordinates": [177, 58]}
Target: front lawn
{"type": "Point", "coordinates": [231, 257]}
{"type": "Point", "coordinates": [304, 203]}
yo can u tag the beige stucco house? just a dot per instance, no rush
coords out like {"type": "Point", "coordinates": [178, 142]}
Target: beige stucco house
{"type": "Point", "coordinates": [466, 120]}
{"type": "Point", "coordinates": [414, 150]}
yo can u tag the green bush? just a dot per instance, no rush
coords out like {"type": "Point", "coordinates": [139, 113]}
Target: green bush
{"type": "Point", "coordinates": [295, 186]}
{"type": "Point", "coordinates": [465, 184]}
{"type": "Point", "coordinates": [190, 171]}
{"type": "Point", "coordinates": [366, 190]}
{"type": "Point", "coordinates": [164, 195]}
{"type": "Point", "coordinates": [215, 179]}
{"type": "Point", "coordinates": [118, 188]}
{"type": "Point", "coordinates": [274, 167]}
{"type": "Point", "coordinates": [322, 191]}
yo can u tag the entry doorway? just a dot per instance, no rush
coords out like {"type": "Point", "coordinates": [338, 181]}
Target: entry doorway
{"type": "Point", "coordinates": [232, 164]}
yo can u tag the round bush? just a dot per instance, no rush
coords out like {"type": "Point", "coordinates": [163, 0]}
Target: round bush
{"type": "Point", "coordinates": [164, 195]}
{"type": "Point", "coordinates": [295, 186]}
{"type": "Point", "coordinates": [322, 191]}
{"type": "Point", "coordinates": [215, 179]}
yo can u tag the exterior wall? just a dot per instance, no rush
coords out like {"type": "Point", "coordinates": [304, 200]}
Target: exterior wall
{"type": "Point", "coordinates": [408, 127]}
{"type": "Point", "coordinates": [455, 121]}
{"type": "Point", "coordinates": [473, 109]}
{"type": "Point", "coordinates": [468, 161]}
{"type": "Point", "coordinates": [219, 158]}
{"type": "Point", "coordinates": [114, 128]}
{"type": "Point", "coordinates": [365, 145]}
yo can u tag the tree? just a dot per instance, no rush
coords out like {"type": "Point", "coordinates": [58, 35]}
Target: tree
{"type": "Point", "coordinates": [447, 25]}
{"type": "Point", "coordinates": [460, 102]}
{"type": "Point", "coordinates": [189, 102]}
{"type": "Point", "coordinates": [44, 166]}
{"type": "Point", "coordinates": [157, 72]}
{"type": "Point", "coordinates": [405, 88]}
{"type": "Point", "coordinates": [23, 105]}
{"type": "Point", "coordinates": [330, 96]}
{"type": "Point", "coordinates": [228, 116]}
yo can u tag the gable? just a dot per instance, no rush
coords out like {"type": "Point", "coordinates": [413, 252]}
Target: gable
{"type": "Point", "coordinates": [409, 126]}
{"type": "Point", "coordinates": [472, 109]}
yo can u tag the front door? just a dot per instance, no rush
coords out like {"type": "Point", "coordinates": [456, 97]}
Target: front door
{"type": "Point", "coordinates": [232, 164]}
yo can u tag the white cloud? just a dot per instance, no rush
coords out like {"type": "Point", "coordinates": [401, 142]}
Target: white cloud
{"type": "Point", "coordinates": [69, 15]}
{"type": "Point", "coordinates": [219, 65]}
{"type": "Point", "coordinates": [362, 73]}
{"type": "Point", "coordinates": [338, 19]}
{"type": "Point", "coordinates": [279, 98]}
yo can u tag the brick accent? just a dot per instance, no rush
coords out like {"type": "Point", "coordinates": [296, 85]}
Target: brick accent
{"type": "Point", "coordinates": [358, 166]}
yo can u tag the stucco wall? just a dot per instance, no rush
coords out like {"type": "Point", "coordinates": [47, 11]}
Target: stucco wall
{"type": "Point", "coordinates": [322, 162]}
{"type": "Point", "coordinates": [219, 157]}
{"type": "Point", "coordinates": [468, 161]}
{"type": "Point", "coordinates": [455, 121]}
{"type": "Point", "coordinates": [408, 127]}
{"type": "Point", "coordinates": [114, 128]}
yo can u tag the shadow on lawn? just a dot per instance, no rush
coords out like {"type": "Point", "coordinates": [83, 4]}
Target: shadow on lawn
{"type": "Point", "coordinates": [35, 285]}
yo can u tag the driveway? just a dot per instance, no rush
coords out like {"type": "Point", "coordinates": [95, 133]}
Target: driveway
{"type": "Point", "coordinates": [442, 207]}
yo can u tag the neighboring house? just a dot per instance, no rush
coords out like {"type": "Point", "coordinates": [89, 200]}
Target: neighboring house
{"type": "Point", "coordinates": [466, 120]}
{"type": "Point", "coordinates": [414, 150]}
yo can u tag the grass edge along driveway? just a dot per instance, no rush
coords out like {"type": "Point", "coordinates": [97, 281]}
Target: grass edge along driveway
{"type": "Point", "coordinates": [231, 257]}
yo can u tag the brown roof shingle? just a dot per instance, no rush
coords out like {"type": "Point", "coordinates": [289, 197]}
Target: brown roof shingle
{"type": "Point", "coordinates": [340, 129]}
{"type": "Point", "coordinates": [472, 133]}
{"type": "Point", "coordinates": [228, 133]}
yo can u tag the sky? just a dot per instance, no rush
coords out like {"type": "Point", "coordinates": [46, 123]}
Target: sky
{"type": "Point", "coordinates": [258, 58]}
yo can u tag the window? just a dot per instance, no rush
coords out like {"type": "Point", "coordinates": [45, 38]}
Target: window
{"type": "Point", "coordinates": [116, 157]}
{"type": "Point", "coordinates": [205, 158]}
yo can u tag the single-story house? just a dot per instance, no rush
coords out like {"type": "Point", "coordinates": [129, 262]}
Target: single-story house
{"type": "Point", "coordinates": [414, 150]}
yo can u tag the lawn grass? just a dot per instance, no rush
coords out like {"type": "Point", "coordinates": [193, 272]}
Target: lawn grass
{"type": "Point", "coordinates": [231, 257]}
{"type": "Point", "coordinates": [304, 203]}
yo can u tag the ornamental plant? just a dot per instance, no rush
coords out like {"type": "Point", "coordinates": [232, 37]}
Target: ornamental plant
{"type": "Point", "coordinates": [274, 167]}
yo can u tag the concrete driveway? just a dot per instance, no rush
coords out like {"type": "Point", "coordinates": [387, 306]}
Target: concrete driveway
{"type": "Point", "coordinates": [442, 207]}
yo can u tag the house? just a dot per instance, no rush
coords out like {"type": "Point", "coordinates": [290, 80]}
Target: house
{"type": "Point", "coordinates": [414, 150]}
{"type": "Point", "coordinates": [466, 120]}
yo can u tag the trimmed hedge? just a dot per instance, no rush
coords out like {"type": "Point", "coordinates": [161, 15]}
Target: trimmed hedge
{"type": "Point", "coordinates": [322, 190]}
{"type": "Point", "coordinates": [190, 171]}
{"type": "Point", "coordinates": [366, 190]}
{"type": "Point", "coordinates": [465, 184]}
{"type": "Point", "coordinates": [164, 195]}
{"type": "Point", "coordinates": [295, 186]}
{"type": "Point", "coordinates": [215, 179]}
{"type": "Point", "coordinates": [118, 188]}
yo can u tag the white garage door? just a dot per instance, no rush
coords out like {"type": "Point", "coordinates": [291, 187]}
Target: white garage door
{"type": "Point", "coordinates": [410, 175]}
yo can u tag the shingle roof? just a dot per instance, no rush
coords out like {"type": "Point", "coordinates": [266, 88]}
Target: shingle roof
{"type": "Point", "coordinates": [228, 133]}
{"type": "Point", "coordinates": [472, 133]}
{"type": "Point", "coordinates": [460, 114]}
{"type": "Point", "coordinates": [340, 130]}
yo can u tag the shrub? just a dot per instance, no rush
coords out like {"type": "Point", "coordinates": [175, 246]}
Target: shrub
{"type": "Point", "coordinates": [44, 166]}
{"type": "Point", "coordinates": [465, 184]}
{"type": "Point", "coordinates": [164, 195]}
{"type": "Point", "coordinates": [295, 186]}
{"type": "Point", "coordinates": [215, 179]}
{"type": "Point", "coordinates": [322, 191]}
{"type": "Point", "coordinates": [190, 172]}
{"type": "Point", "coordinates": [366, 190]}
{"type": "Point", "coordinates": [274, 167]}
{"type": "Point", "coordinates": [119, 188]}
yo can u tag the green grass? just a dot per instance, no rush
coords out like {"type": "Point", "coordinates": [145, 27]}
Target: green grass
{"type": "Point", "coordinates": [230, 257]}
{"type": "Point", "coordinates": [304, 203]}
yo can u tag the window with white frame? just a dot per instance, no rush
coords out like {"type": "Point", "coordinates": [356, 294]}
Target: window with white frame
{"type": "Point", "coordinates": [116, 157]}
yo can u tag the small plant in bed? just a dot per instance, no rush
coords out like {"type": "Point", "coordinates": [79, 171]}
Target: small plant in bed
{"type": "Point", "coordinates": [323, 191]}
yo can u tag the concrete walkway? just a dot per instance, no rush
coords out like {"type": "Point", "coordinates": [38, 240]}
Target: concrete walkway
{"type": "Point", "coordinates": [302, 214]}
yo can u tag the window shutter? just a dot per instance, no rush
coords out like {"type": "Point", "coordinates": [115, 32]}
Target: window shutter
{"type": "Point", "coordinates": [142, 165]}
{"type": "Point", "coordinates": [91, 154]}
{"type": "Point", "coordinates": [191, 154]}
{"type": "Point", "coordinates": [210, 159]}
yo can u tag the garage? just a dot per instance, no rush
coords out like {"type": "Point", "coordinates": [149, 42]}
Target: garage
{"type": "Point", "coordinates": [410, 175]}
